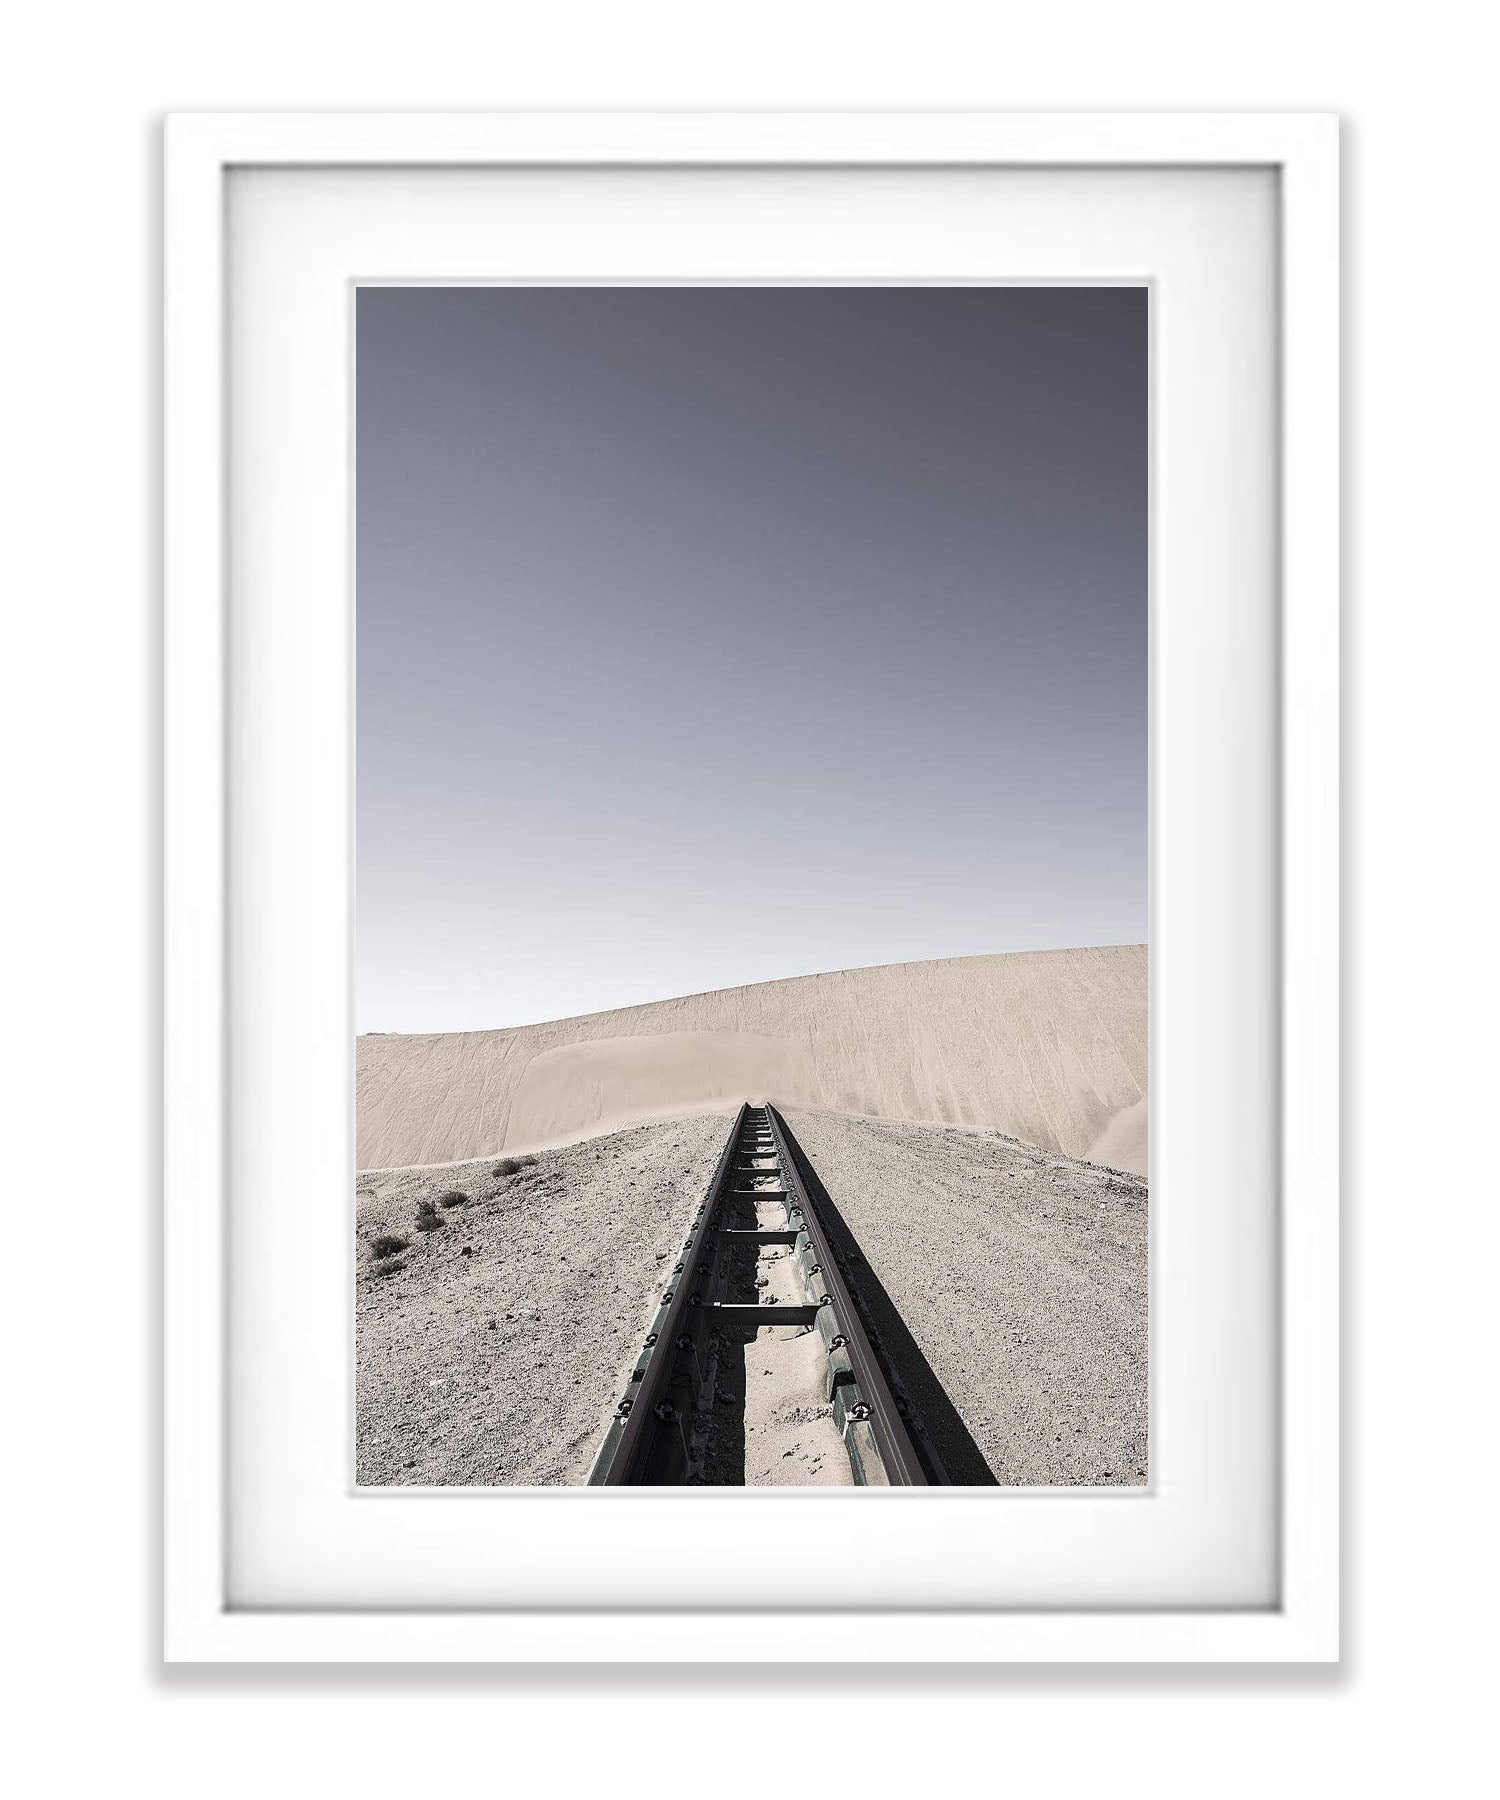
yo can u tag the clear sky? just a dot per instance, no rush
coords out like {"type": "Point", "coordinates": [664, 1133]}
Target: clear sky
{"type": "Point", "coordinates": [712, 635]}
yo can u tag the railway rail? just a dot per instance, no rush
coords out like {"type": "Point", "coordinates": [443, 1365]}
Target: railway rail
{"type": "Point", "coordinates": [757, 1261]}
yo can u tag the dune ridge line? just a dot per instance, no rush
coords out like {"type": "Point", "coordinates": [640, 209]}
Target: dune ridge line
{"type": "Point", "coordinates": [1046, 1046]}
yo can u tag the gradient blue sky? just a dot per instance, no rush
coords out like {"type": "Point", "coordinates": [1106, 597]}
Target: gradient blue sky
{"type": "Point", "coordinates": [712, 635]}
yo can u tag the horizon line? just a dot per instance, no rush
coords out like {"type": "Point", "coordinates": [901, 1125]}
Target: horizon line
{"type": "Point", "coordinates": [770, 981]}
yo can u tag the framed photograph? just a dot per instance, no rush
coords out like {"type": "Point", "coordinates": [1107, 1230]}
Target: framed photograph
{"type": "Point", "coordinates": [752, 807]}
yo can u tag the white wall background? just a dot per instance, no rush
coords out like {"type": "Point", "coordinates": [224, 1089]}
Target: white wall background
{"type": "Point", "coordinates": [79, 309]}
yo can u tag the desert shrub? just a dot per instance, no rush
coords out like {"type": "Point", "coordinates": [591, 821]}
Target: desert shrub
{"type": "Point", "coordinates": [385, 1245]}
{"type": "Point", "coordinates": [427, 1216]}
{"type": "Point", "coordinates": [525, 1162]}
{"type": "Point", "coordinates": [507, 1165]}
{"type": "Point", "coordinates": [453, 1199]}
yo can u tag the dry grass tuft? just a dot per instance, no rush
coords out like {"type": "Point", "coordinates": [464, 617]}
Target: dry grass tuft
{"type": "Point", "coordinates": [512, 1165]}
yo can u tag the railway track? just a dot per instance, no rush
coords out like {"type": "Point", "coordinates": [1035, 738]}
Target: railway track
{"type": "Point", "coordinates": [757, 1268]}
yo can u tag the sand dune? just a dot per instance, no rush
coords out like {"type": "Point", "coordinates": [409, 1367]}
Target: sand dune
{"type": "Point", "coordinates": [1047, 1046]}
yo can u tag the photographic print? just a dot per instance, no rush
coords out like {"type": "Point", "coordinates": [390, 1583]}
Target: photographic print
{"type": "Point", "coordinates": [751, 886]}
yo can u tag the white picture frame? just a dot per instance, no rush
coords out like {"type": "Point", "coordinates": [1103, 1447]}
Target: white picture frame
{"type": "Point", "coordinates": [204, 153]}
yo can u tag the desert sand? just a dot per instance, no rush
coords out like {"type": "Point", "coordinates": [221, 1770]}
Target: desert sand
{"type": "Point", "coordinates": [490, 1349]}
{"type": "Point", "coordinates": [1048, 1047]}
{"type": "Point", "coordinates": [979, 1126]}
{"type": "Point", "coordinates": [1008, 1283]}
{"type": "Point", "coordinates": [1009, 1287]}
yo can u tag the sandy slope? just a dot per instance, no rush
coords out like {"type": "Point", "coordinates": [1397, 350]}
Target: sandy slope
{"type": "Point", "coordinates": [1009, 1285]}
{"type": "Point", "coordinates": [1017, 1277]}
{"type": "Point", "coordinates": [490, 1350]}
{"type": "Point", "coordinates": [1049, 1047]}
